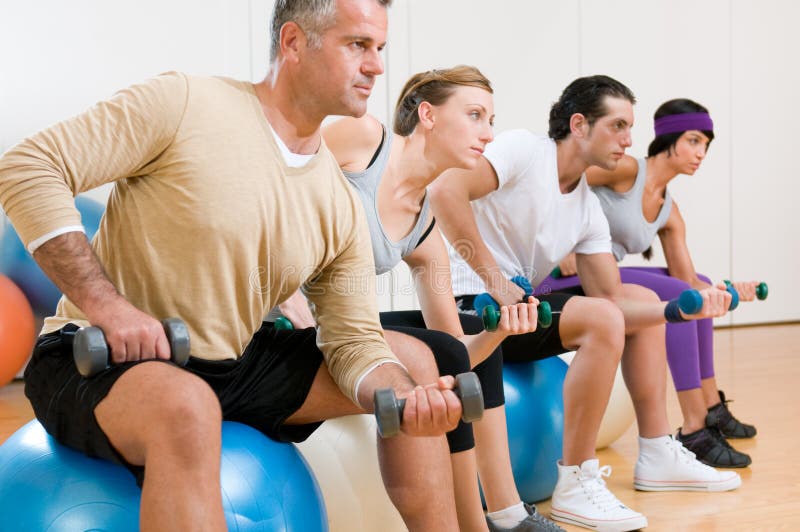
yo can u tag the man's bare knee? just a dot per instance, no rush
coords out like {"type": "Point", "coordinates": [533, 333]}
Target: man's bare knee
{"type": "Point", "coordinates": [593, 320]}
{"type": "Point", "coordinates": [155, 404]}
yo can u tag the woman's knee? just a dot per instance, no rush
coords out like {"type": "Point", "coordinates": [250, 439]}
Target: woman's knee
{"type": "Point", "coordinates": [450, 353]}
{"type": "Point", "coordinates": [665, 287]}
{"type": "Point", "coordinates": [490, 375]}
{"type": "Point", "coordinates": [461, 438]}
{"type": "Point", "coordinates": [704, 278]}
{"type": "Point", "coordinates": [415, 355]}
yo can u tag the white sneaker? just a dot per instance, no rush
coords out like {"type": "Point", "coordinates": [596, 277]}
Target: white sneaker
{"type": "Point", "coordinates": [664, 464]}
{"type": "Point", "coordinates": [582, 498]}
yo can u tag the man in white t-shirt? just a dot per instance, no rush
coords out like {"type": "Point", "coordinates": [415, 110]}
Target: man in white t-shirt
{"type": "Point", "coordinates": [530, 207]}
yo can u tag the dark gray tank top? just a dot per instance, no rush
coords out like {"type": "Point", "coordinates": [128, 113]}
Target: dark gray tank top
{"type": "Point", "coordinates": [630, 232]}
{"type": "Point", "coordinates": [387, 253]}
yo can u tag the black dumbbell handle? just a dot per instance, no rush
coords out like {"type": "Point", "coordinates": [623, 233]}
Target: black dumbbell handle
{"type": "Point", "coordinates": [401, 403]}
{"type": "Point", "coordinates": [389, 408]}
{"type": "Point", "coordinates": [90, 348]}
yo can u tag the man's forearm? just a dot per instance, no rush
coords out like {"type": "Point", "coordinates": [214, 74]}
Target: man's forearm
{"type": "Point", "coordinates": [68, 260]}
{"type": "Point", "coordinates": [389, 375]}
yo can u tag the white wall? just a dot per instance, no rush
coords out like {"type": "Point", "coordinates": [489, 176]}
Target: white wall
{"type": "Point", "coordinates": [737, 57]}
{"type": "Point", "coordinates": [58, 58]}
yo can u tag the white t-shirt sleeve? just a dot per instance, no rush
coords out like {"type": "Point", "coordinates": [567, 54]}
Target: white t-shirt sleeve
{"type": "Point", "coordinates": [597, 235]}
{"type": "Point", "coordinates": [510, 154]}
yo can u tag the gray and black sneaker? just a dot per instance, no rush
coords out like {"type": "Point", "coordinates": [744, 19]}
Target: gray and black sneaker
{"type": "Point", "coordinates": [711, 448]}
{"type": "Point", "coordinates": [535, 522]}
{"type": "Point", "coordinates": [719, 416]}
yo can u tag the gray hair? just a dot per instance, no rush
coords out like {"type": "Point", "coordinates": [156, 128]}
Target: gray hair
{"type": "Point", "coordinates": [313, 17]}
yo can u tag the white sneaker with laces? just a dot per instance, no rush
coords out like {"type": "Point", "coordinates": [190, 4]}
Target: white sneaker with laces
{"type": "Point", "coordinates": [664, 464]}
{"type": "Point", "coordinates": [582, 498]}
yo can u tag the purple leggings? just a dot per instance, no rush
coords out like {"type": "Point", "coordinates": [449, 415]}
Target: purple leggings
{"type": "Point", "coordinates": [690, 349]}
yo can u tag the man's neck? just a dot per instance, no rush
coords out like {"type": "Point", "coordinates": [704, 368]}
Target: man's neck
{"type": "Point", "coordinates": [290, 120]}
{"type": "Point", "coordinates": [571, 164]}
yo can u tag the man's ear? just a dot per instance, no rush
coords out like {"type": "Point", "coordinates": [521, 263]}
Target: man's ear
{"type": "Point", "coordinates": [292, 41]}
{"type": "Point", "coordinates": [578, 125]}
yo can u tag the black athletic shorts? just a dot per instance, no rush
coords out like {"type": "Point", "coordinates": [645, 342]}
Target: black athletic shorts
{"type": "Point", "coordinates": [266, 385]}
{"type": "Point", "coordinates": [540, 344]}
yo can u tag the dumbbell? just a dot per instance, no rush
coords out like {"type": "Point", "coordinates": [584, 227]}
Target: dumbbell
{"type": "Point", "coordinates": [389, 409]}
{"type": "Point", "coordinates": [489, 311]}
{"type": "Point", "coordinates": [90, 349]}
{"type": "Point", "coordinates": [282, 323]}
{"type": "Point", "coordinates": [762, 291]}
{"type": "Point", "coordinates": [690, 301]}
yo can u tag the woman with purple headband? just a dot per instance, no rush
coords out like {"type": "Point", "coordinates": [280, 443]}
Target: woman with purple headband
{"type": "Point", "coordinates": [638, 206]}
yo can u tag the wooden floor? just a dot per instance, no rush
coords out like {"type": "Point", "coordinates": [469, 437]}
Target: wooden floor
{"type": "Point", "coordinates": [757, 367]}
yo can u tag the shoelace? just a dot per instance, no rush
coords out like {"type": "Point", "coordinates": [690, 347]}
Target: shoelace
{"type": "Point", "coordinates": [719, 436]}
{"type": "Point", "coordinates": [598, 493]}
{"type": "Point", "coordinates": [541, 520]}
{"type": "Point", "coordinates": [685, 455]}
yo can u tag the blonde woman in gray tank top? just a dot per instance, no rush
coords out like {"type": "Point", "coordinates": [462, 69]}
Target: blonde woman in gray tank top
{"type": "Point", "coordinates": [638, 206]}
{"type": "Point", "coordinates": [443, 120]}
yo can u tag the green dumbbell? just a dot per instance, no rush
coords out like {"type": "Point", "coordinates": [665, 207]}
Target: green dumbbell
{"type": "Point", "coordinates": [762, 290]}
{"type": "Point", "coordinates": [282, 323]}
{"type": "Point", "coordinates": [491, 316]}
{"type": "Point", "coordinates": [489, 311]}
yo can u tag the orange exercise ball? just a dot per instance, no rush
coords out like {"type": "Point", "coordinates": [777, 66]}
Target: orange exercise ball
{"type": "Point", "coordinates": [17, 334]}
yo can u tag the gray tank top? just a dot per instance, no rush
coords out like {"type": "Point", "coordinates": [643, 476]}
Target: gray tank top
{"type": "Point", "coordinates": [630, 232]}
{"type": "Point", "coordinates": [387, 253]}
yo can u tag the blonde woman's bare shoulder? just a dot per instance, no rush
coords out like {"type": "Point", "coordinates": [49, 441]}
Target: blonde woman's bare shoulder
{"type": "Point", "coordinates": [353, 140]}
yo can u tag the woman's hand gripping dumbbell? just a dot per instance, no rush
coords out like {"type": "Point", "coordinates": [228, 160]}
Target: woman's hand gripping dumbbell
{"type": "Point", "coordinates": [489, 310]}
{"type": "Point", "coordinates": [746, 291]}
{"type": "Point", "coordinates": [389, 409]}
{"type": "Point", "coordinates": [90, 349]}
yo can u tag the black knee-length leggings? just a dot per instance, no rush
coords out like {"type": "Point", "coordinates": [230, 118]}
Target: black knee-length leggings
{"type": "Point", "coordinates": [451, 359]}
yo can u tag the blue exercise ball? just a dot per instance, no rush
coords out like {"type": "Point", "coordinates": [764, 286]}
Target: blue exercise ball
{"type": "Point", "coordinates": [44, 486]}
{"type": "Point", "coordinates": [19, 266]}
{"type": "Point", "coordinates": [267, 485]}
{"type": "Point", "coordinates": [535, 421]}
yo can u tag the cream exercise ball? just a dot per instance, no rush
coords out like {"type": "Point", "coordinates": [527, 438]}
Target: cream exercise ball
{"type": "Point", "coordinates": [344, 457]}
{"type": "Point", "coordinates": [619, 414]}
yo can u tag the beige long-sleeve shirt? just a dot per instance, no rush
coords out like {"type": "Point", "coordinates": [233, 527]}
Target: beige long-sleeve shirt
{"type": "Point", "coordinates": [205, 221]}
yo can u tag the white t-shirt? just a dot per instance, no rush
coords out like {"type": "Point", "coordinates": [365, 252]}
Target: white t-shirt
{"type": "Point", "coordinates": [527, 223]}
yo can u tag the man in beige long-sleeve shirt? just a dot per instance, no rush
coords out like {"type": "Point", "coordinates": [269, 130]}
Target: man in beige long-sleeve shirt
{"type": "Point", "coordinates": [225, 202]}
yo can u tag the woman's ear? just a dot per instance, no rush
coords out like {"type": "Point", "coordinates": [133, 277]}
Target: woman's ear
{"type": "Point", "coordinates": [427, 115]}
